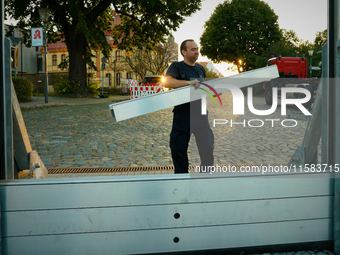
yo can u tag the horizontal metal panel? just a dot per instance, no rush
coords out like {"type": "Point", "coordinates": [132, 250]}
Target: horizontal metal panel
{"type": "Point", "coordinates": [157, 241]}
{"type": "Point", "coordinates": [140, 106]}
{"type": "Point", "coordinates": [71, 221]}
{"type": "Point", "coordinates": [116, 191]}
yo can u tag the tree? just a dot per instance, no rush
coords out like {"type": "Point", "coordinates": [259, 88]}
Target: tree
{"type": "Point", "coordinates": [160, 58]}
{"type": "Point", "coordinates": [320, 39]}
{"type": "Point", "coordinates": [210, 74]}
{"type": "Point", "coordinates": [289, 46]}
{"type": "Point", "coordinates": [82, 25]}
{"type": "Point", "coordinates": [240, 30]}
{"type": "Point", "coordinates": [154, 61]}
{"type": "Point", "coordinates": [319, 42]}
{"type": "Point", "coordinates": [137, 61]}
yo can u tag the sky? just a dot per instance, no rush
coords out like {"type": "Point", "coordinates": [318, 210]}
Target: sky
{"type": "Point", "coordinates": [305, 17]}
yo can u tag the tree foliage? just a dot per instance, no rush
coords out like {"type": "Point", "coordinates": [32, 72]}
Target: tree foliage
{"type": "Point", "coordinates": [210, 74]}
{"type": "Point", "coordinates": [144, 61]}
{"type": "Point", "coordinates": [240, 30]}
{"type": "Point", "coordinates": [82, 25]}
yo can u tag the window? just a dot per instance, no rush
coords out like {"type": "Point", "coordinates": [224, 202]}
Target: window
{"type": "Point", "coordinates": [40, 64]}
{"type": "Point", "coordinates": [63, 58]}
{"type": "Point", "coordinates": [54, 60]}
{"type": "Point", "coordinates": [129, 75]}
{"type": "Point", "coordinates": [118, 56]}
{"type": "Point", "coordinates": [108, 75]}
{"type": "Point", "coordinates": [118, 76]}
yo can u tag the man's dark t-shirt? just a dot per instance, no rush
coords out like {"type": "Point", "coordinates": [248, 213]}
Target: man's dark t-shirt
{"type": "Point", "coordinates": [191, 72]}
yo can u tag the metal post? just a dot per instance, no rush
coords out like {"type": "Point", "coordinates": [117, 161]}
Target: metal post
{"type": "Point", "coordinates": [102, 81]}
{"type": "Point", "coordinates": [324, 106]}
{"type": "Point", "coordinates": [6, 134]}
{"type": "Point", "coordinates": [21, 59]}
{"type": "Point", "coordinates": [45, 52]}
{"type": "Point", "coordinates": [310, 68]}
{"type": "Point", "coordinates": [2, 110]}
{"type": "Point", "coordinates": [2, 95]}
{"type": "Point", "coordinates": [334, 110]}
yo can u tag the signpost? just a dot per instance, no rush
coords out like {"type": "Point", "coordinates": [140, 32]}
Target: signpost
{"type": "Point", "coordinates": [104, 60]}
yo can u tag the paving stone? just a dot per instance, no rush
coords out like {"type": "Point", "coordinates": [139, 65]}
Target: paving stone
{"type": "Point", "coordinates": [145, 139]}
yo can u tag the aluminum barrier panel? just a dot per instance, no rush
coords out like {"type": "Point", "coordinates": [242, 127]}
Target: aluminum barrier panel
{"type": "Point", "coordinates": [154, 214]}
{"type": "Point", "coordinates": [140, 106]}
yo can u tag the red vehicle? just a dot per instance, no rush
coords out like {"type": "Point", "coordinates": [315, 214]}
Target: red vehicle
{"type": "Point", "coordinates": [293, 72]}
{"type": "Point", "coordinates": [290, 67]}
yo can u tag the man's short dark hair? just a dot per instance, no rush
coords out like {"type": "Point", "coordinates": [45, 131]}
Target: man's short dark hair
{"type": "Point", "coordinates": [184, 45]}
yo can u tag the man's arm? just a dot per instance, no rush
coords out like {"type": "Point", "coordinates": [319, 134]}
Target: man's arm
{"type": "Point", "coordinates": [173, 83]}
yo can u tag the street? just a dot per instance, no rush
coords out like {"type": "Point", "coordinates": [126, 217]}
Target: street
{"type": "Point", "coordinates": [87, 136]}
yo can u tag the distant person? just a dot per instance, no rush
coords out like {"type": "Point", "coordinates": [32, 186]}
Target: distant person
{"type": "Point", "coordinates": [185, 120]}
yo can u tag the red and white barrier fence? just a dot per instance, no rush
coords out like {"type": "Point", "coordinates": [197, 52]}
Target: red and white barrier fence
{"type": "Point", "coordinates": [141, 91]}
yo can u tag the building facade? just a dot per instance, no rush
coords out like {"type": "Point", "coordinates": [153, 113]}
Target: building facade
{"type": "Point", "coordinates": [116, 72]}
{"type": "Point", "coordinates": [29, 58]}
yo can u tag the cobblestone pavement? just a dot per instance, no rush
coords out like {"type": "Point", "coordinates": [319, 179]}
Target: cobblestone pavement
{"type": "Point", "coordinates": [82, 133]}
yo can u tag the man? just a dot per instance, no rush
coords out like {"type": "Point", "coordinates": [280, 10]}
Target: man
{"type": "Point", "coordinates": [187, 117]}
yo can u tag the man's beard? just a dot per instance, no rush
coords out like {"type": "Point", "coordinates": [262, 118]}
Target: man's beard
{"type": "Point", "coordinates": [193, 58]}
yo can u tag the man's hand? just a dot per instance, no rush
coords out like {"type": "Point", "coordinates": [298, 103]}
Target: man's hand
{"type": "Point", "coordinates": [195, 83]}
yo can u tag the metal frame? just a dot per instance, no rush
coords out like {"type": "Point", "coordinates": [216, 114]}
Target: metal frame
{"type": "Point", "coordinates": [172, 213]}
{"type": "Point", "coordinates": [7, 165]}
{"type": "Point", "coordinates": [153, 214]}
{"type": "Point", "coordinates": [332, 105]}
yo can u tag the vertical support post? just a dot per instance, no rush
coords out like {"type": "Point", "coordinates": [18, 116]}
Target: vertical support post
{"type": "Point", "coordinates": [2, 104]}
{"type": "Point", "coordinates": [7, 159]}
{"type": "Point", "coordinates": [324, 106]}
{"type": "Point", "coordinates": [334, 110]}
{"type": "Point", "coordinates": [21, 59]}
{"type": "Point", "coordinates": [2, 95]}
{"type": "Point", "coordinates": [103, 80]}
{"type": "Point", "coordinates": [2, 111]}
{"type": "Point", "coordinates": [9, 174]}
{"type": "Point", "coordinates": [310, 67]}
{"type": "Point", "coordinates": [45, 52]}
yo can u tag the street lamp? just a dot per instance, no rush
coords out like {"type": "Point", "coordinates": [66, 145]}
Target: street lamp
{"type": "Point", "coordinates": [310, 53]}
{"type": "Point", "coordinates": [45, 15]}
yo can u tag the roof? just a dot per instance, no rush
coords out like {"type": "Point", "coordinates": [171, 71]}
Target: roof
{"type": "Point", "coordinates": [204, 63]}
{"type": "Point", "coordinates": [58, 46]}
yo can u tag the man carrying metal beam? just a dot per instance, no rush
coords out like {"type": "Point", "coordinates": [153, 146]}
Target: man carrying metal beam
{"type": "Point", "coordinates": [187, 117]}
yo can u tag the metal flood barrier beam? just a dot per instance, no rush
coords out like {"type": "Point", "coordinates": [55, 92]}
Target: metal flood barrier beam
{"type": "Point", "coordinates": [156, 214]}
{"type": "Point", "coordinates": [140, 106]}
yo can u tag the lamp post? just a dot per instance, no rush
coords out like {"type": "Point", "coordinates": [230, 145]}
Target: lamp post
{"type": "Point", "coordinates": [310, 53]}
{"type": "Point", "coordinates": [45, 15]}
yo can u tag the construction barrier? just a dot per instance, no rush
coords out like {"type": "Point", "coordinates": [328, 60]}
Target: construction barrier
{"type": "Point", "coordinates": [141, 91]}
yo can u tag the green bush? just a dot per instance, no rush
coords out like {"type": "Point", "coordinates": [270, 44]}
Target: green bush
{"type": "Point", "coordinates": [64, 86]}
{"type": "Point", "coordinates": [93, 88]}
{"type": "Point", "coordinates": [23, 89]}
